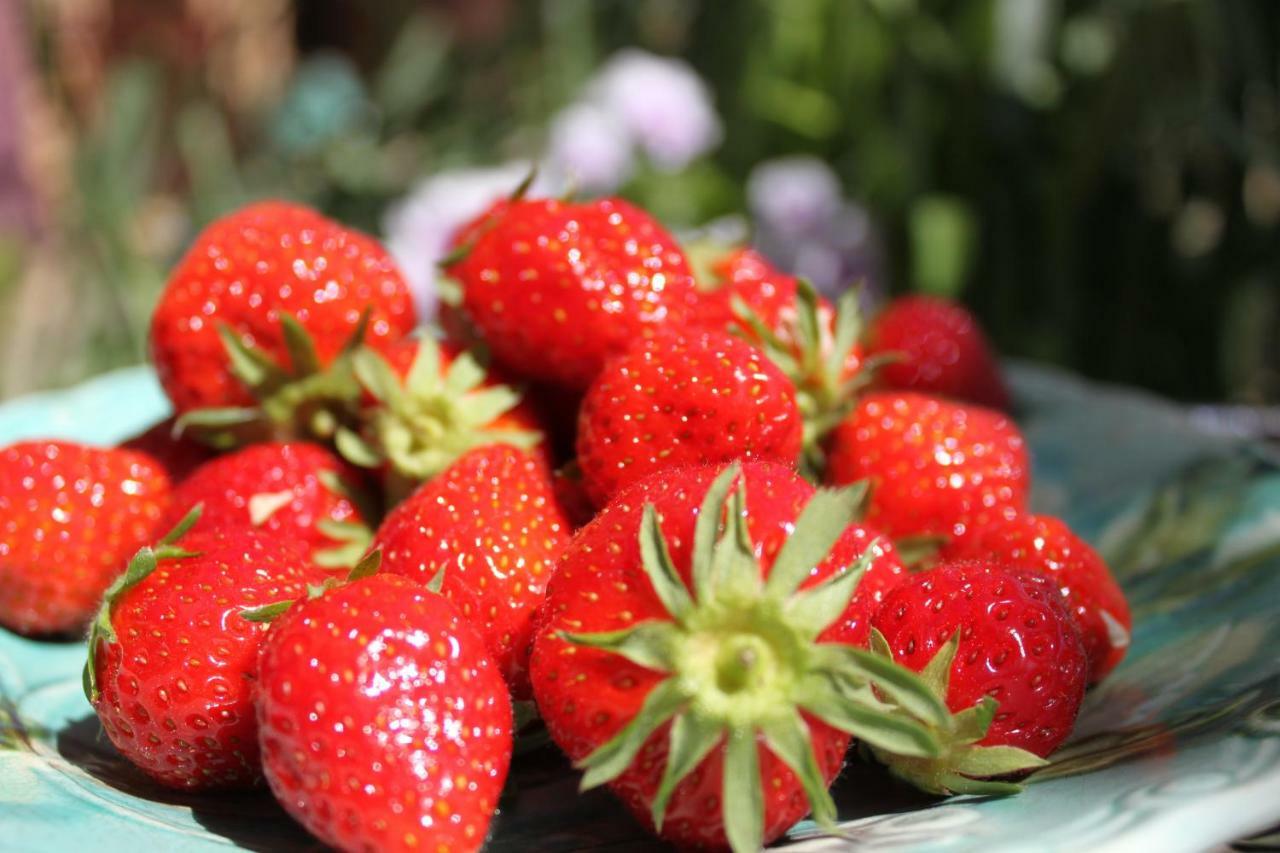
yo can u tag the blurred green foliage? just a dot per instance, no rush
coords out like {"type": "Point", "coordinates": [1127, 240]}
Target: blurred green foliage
{"type": "Point", "coordinates": [1099, 179]}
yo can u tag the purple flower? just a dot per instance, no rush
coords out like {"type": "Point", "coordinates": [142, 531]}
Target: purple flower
{"type": "Point", "coordinates": [663, 104]}
{"type": "Point", "coordinates": [590, 147]}
{"type": "Point", "coordinates": [420, 226]}
{"type": "Point", "coordinates": [794, 196]}
{"type": "Point", "coordinates": [805, 226]}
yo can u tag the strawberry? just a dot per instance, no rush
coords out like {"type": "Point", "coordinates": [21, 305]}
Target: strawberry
{"type": "Point", "coordinates": [490, 522]}
{"type": "Point", "coordinates": [171, 660]}
{"type": "Point", "coordinates": [70, 516]}
{"type": "Point", "coordinates": [743, 274]}
{"type": "Point", "coordinates": [885, 571]}
{"type": "Point", "coordinates": [937, 348]}
{"type": "Point", "coordinates": [1001, 648]}
{"type": "Point", "coordinates": [256, 318]}
{"type": "Point", "coordinates": [429, 403]}
{"type": "Point", "coordinates": [384, 725]}
{"type": "Point", "coordinates": [936, 468]}
{"type": "Point", "coordinates": [681, 398]}
{"type": "Point", "coordinates": [295, 491]}
{"type": "Point", "coordinates": [1046, 544]}
{"type": "Point", "coordinates": [692, 653]}
{"type": "Point", "coordinates": [812, 342]}
{"type": "Point", "coordinates": [555, 288]}
{"type": "Point", "coordinates": [177, 453]}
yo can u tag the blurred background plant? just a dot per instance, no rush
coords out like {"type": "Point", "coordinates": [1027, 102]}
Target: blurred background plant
{"type": "Point", "coordinates": [1099, 179]}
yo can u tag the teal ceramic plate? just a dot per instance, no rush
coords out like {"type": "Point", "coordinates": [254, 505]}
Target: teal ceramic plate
{"type": "Point", "coordinates": [1178, 750]}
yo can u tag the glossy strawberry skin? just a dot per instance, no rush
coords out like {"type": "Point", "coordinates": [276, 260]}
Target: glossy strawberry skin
{"type": "Point", "coordinates": [176, 686]}
{"type": "Point", "coordinates": [941, 350]}
{"type": "Point", "coordinates": [179, 455]}
{"type": "Point", "coordinates": [745, 274]}
{"type": "Point", "coordinates": [586, 696]}
{"type": "Point", "coordinates": [555, 289]}
{"type": "Point", "coordinates": [935, 467]}
{"type": "Point", "coordinates": [882, 576]}
{"type": "Point", "coordinates": [679, 399]}
{"type": "Point", "coordinates": [1018, 644]}
{"type": "Point", "coordinates": [1043, 543]}
{"type": "Point", "coordinates": [491, 522]}
{"type": "Point", "coordinates": [247, 268]}
{"type": "Point", "coordinates": [70, 518]}
{"type": "Point", "coordinates": [384, 724]}
{"type": "Point", "coordinates": [234, 487]}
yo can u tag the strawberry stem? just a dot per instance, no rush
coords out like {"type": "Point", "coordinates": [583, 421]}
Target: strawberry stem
{"type": "Point", "coordinates": [744, 663]}
{"type": "Point", "coordinates": [813, 350]}
{"type": "Point", "coordinates": [307, 399]}
{"type": "Point", "coordinates": [961, 766]}
{"type": "Point", "coordinates": [422, 424]}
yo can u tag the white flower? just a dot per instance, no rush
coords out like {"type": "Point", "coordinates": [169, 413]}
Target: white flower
{"type": "Point", "coordinates": [418, 228]}
{"type": "Point", "coordinates": [663, 104]}
{"type": "Point", "coordinates": [590, 146]}
{"type": "Point", "coordinates": [794, 196]}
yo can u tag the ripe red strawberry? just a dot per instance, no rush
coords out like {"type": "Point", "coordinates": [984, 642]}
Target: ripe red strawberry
{"type": "Point", "coordinates": [702, 672]}
{"type": "Point", "coordinates": [681, 398]}
{"type": "Point", "coordinates": [556, 288]}
{"type": "Point", "coordinates": [429, 403]}
{"type": "Point", "coordinates": [70, 517]}
{"type": "Point", "coordinates": [264, 303]}
{"type": "Point", "coordinates": [884, 573]}
{"type": "Point", "coordinates": [936, 468]}
{"type": "Point", "coordinates": [940, 349]}
{"type": "Point", "coordinates": [293, 491]}
{"type": "Point", "coordinates": [744, 274]}
{"type": "Point", "coordinates": [490, 522]}
{"type": "Point", "coordinates": [1046, 544]}
{"type": "Point", "coordinates": [177, 453]}
{"type": "Point", "coordinates": [979, 632]}
{"type": "Point", "coordinates": [171, 660]}
{"type": "Point", "coordinates": [813, 343]}
{"type": "Point", "coordinates": [384, 724]}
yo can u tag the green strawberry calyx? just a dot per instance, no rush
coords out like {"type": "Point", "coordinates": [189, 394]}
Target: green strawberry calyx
{"type": "Point", "coordinates": [305, 399]}
{"type": "Point", "coordinates": [813, 352]}
{"type": "Point", "coordinates": [745, 667]}
{"type": "Point", "coordinates": [144, 562]}
{"type": "Point", "coordinates": [423, 423]}
{"type": "Point", "coordinates": [964, 766]}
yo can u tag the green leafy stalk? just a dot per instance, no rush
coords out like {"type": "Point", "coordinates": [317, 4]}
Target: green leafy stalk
{"type": "Point", "coordinates": [813, 348]}
{"type": "Point", "coordinates": [304, 399]}
{"type": "Point", "coordinates": [420, 424]}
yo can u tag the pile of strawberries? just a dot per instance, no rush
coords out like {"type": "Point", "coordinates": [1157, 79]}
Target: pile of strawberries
{"type": "Point", "coordinates": [712, 528]}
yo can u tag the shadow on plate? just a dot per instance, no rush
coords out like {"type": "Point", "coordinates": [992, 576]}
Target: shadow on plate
{"type": "Point", "coordinates": [541, 808]}
{"type": "Point", "coordinates": [249, 819]}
